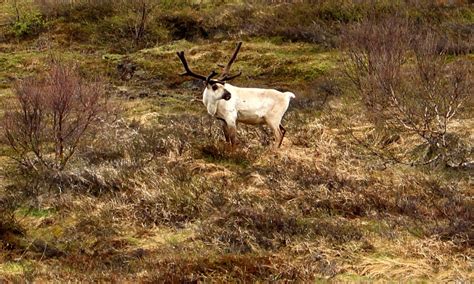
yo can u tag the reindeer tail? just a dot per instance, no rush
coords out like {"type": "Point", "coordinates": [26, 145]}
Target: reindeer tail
{"type": "Point", "coordinates": [290, 94]}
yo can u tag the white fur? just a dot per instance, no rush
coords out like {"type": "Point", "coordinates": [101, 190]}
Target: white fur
{"type": "Point", "coordinates": [249, 106]}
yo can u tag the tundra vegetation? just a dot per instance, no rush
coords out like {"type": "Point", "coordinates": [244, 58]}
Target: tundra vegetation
{"type": "Point", "coordinates": [111, 169]}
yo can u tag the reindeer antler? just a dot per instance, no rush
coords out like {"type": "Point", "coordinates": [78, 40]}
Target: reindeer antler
{"type": "Point", "coordinates": [209, 77]}
{"type": "Point", "coordinates": [188, 70]}
{"type": "Point", "coordinates": [226, 69]}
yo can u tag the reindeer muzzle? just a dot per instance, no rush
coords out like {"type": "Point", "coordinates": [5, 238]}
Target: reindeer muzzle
{"type": "Point", "coordinates": [226, 96]}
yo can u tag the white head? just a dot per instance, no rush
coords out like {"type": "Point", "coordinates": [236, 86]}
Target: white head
{"type": "Point", "coordinates": [216, 91]}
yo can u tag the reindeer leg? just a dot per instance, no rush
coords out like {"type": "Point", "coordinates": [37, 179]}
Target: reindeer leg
{"type": "Point", "coordinates": [226, 132]}
{"type": "Point", "coordinates": [232, 136]}
{"type": "Point", "coordinates": [282, 132]}
{"type": "Point", "coordinates": [232, 132]}
{"type": "Point", "coordinates": [231, 124]}
{"type": "Point", "coordinates": [277, 134]}
{"type": "Point", "coordinates": [275, 129]}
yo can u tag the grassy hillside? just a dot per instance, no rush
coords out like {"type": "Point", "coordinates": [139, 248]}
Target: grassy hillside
{"type": "Point", "coordinates": [156, 196]}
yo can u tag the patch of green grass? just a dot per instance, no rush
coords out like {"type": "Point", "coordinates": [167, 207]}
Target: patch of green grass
{"type": "Point", "coordinates": [5, 100]}
{"type": "Point", "coordinates": [113, 57]}
{"type": "Point", "coordinates": [139, 107]}
{"type": "Point", "coordinates": [20, 64]}
{"type": "Point", "coordinates": [466, 14]}
{"type": "Point", "coordinates": [11, 268]}
{"type": "Point", "coordinates": [132, 240]}
{"type": "Point", "coordinates": [36, 212]}
{"type": "Point", "coordinates": [24, 63]}
{"type": "Point", "coordinates": [231, 162]}
{"type": "Point", "coordinates": [258, 60]}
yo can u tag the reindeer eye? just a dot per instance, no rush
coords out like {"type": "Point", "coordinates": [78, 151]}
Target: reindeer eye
{"type": "Point", "coordinates": [214, 87]}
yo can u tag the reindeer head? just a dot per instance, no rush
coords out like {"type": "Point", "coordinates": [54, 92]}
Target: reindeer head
{"type": "Point", "coordinates": [215, 88]}
{"type": "Point", "coordinates": [217, 91]}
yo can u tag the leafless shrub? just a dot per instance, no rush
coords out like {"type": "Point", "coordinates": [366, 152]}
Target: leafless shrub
{"type": "Point", "coordinates": [139, 12]}
{"type": "Point", "coordinates": [52, 116]}
{"type": "Point", "coordinates": [131, 151]}
{"type": "Point", "coordinates": [404, 80]}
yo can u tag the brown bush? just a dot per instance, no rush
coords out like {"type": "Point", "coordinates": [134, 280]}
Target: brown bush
{"type": "Point", "coordinates": [52, 116]}
{"type": "Point", "coordinates": [405, 80]}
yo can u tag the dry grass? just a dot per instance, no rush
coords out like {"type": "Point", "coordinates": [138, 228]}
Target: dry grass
{"type": "Point", "coordinates": [301, 213]}
{"type": "Point", "coordinates": [154, 197]}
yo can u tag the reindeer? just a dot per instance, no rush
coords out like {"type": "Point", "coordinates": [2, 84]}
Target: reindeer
{"type": "Point", "coordinates": [232, 104]}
